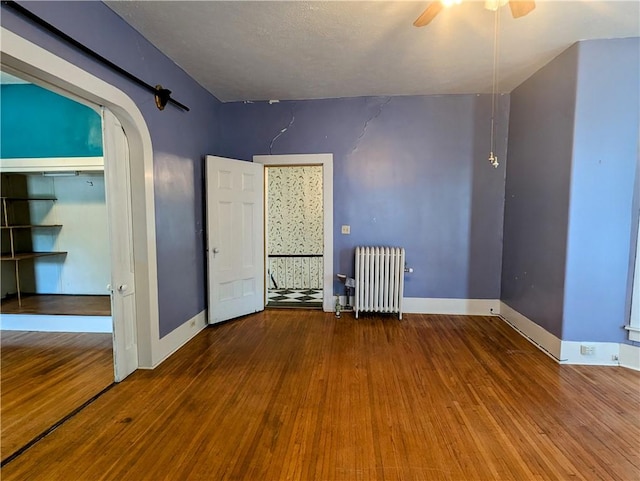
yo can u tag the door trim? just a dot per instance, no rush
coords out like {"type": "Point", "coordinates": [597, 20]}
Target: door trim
{"type": "Point", "coordinates": [326, 160]}
{"type": "Point", "coordinates": [50, 70]}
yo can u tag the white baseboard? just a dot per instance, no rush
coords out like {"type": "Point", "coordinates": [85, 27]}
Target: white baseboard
{"type": "Point", "coordinates": [166, 346]}
{"type": "Point", "coordinates": [569, 352]}
{"type": "Point", "coordinates": [630, 356]}
{"type": "Point", "coordinates": [51, 323]}
{"type": "Point", "coordinates": [543, 339]}
{"type": "Point", "coordinates": [469, 307]}
{"type": "Point", "coordinates": [604, 353]}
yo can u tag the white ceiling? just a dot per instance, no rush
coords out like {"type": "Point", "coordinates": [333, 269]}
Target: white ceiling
{"type": "Point", "coordinates": [240, 50]}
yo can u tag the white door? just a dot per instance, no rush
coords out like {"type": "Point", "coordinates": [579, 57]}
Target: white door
{"type": "Point", "coordinates": [118, 180]}
{"type": "Point", "coordinates": [235, 237]}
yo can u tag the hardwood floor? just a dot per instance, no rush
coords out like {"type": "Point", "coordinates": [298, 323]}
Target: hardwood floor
{"type": "Point", "coordinates": [301, 395]}
{"type": "Point", "coordinates": [58, 305]}
{"type": "Point", "coordinates": [45, 376]}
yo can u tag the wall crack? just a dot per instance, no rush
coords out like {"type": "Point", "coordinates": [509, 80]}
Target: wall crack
{"type": "Point", "coordinates": [282, 131]}
{"type": "Point", "coordinates": [369, 120]}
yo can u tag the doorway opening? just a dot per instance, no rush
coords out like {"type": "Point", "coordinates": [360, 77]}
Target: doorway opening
{"type": "Point", "coordinates": [135, 337]}
{"type": "Point", "coordinates": [56, 338]}
{"type": "Point", "coordinates": [295, 236]}
{"type": "Point", "coordinates": [298, 230]}
{"type": "Point", "coordinates": [140, 329]}
{"type": "Point", "coordinates": [54, 213]}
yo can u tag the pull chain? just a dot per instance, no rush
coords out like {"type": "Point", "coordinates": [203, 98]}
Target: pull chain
{"type": "Point", "coordinates": [493, 159]}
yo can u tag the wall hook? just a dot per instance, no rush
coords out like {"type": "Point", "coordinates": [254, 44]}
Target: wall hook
{"type": "Point", "coordinates": [162, 97]}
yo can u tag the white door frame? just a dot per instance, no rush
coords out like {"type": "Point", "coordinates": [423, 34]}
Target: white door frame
{"type": "Point", "coordinates": [44, 67]}
{"type": "Point", "coordinates": [326, 161]}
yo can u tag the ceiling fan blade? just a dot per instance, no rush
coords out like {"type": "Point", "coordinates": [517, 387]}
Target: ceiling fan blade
{"type": "Point", "coordinates": [520, 8]}
{"type": "Point", "coordinates": [429, 14]}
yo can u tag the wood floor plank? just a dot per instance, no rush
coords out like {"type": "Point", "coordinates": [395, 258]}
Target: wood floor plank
{"type": "Point", "coordinates": [301, 395]}
{"type": "Point", "coordinates": [44, 377]}
{"type": "Point", "coordinates": [56, 304]}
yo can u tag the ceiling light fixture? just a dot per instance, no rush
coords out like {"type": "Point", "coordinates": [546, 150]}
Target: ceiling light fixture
{"type": "Point", "coordinates": [494, 5]}
{"type": "Point", "coordinates": [519, 8]}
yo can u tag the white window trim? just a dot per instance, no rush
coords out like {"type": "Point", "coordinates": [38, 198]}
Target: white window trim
{"type": "Point", "coordinates": [634, 320]}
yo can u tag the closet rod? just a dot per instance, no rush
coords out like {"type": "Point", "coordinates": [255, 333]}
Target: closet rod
{"type": "Point", "coordinates": [162, 95]}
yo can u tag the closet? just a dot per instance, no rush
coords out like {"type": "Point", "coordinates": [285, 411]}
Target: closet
{"type": "Point", "coordinates": [53, 214]}
{"type": "Point", "coordinates": [54, 235]}
{"type": "Point", "coordinates": [18, 228]}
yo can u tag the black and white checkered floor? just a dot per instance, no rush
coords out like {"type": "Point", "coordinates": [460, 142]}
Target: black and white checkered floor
{"type": "Point", "coordinates": [294, 298]}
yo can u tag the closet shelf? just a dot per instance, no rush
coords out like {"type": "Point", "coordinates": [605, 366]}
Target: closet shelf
{"type": "Point", "coordinates": [15, 216]}
{"type": "Point", "coordinates": [27, 199]}
{"type": "Point", "coordinates": [19, 256]}
{"type": "Point", "coordinates": [32, 226]}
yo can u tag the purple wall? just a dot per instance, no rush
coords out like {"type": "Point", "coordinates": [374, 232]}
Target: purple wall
{"type": "Point", "coordinates": [408, 171]}
{"type": "Point", "coordinates": [602, 220]}
{"type": "Point", "coordinates": [180, 139]}
{"type": "Point", "coordinates": [536, 212]}
{"type": "Point", "coordinates": [571, 213]}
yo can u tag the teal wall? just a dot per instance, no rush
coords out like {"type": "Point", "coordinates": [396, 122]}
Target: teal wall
{"type": "Point", "coordinates": [37, 123]}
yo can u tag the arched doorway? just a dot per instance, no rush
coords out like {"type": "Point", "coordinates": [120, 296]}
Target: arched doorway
{"type": "Point", "coordinates": [39, 65]}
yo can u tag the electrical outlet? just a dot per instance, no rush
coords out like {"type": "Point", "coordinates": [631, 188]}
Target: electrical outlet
{"type": "Point", "coordinates": [346, 229]}
{"type": "Point", "coordinates": [586, 350]}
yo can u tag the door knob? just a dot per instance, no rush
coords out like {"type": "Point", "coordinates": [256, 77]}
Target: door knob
{"type": "Point", "coordinates": [215, 250]}
{"type": "Point", "coordinates": [122, 288]}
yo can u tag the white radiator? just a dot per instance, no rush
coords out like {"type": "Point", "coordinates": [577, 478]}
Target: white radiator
{"type": "Point", "coordinates": [379, 279]}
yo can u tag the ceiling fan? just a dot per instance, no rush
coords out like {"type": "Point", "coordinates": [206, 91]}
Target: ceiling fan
{"type": "Point", "coordinates": [518, 8]}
